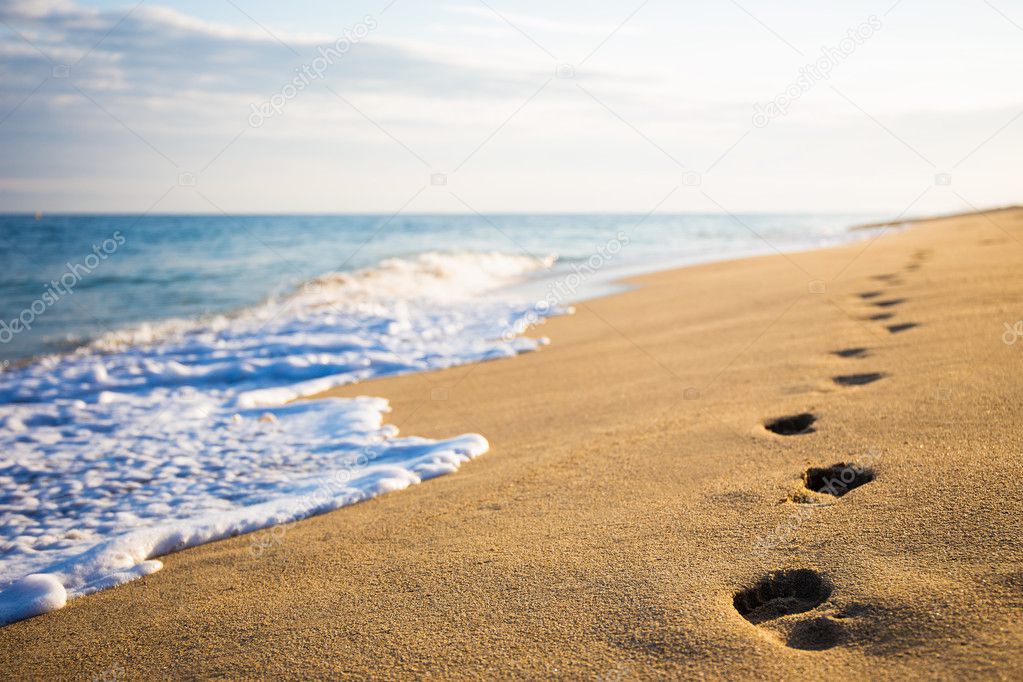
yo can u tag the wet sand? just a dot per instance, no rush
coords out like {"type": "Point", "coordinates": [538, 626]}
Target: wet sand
{"type": "Point", "coordinates": [635, 518]}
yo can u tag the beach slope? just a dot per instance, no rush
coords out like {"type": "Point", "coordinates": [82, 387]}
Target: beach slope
{"type": "Point", "coordinates": [635, 516]}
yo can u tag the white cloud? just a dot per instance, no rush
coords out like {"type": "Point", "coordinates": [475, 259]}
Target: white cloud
{"type": "Point", "coordinates": [159, 84]}
{"type": "Point", "coordinates": [526, 22]}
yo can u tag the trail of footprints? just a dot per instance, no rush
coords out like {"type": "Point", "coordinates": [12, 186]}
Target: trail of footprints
{"type": "Point", "coordinates": [803, 590]}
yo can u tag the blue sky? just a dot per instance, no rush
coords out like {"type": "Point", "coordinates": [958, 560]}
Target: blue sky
{"type": "Point", "coordinates": [507, 105]}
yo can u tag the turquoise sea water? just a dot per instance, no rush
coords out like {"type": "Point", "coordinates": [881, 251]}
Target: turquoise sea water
{"type": "Point", "coordinates": [157, 267]}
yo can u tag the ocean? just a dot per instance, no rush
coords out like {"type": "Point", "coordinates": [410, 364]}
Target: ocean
{"type": "Point", "coordinates": [149, 363]}
{"type": "Point", "coordinates": [184, 267]}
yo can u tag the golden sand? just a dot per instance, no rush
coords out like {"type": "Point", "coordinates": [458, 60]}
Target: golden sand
{"type": "Point", "coordinates": [634, 518]}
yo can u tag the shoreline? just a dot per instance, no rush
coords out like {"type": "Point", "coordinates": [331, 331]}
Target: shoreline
{"type": "Point", "coordinates": [611, 524]}
{"type": "Point", "coordinates": [916, 220]}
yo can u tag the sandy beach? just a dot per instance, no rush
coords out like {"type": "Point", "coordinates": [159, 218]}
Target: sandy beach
{"type": "Point", "coordinates": [634, 517]}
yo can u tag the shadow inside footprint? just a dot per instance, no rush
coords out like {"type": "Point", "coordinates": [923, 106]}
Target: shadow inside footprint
{"type": "Point", "coordinates": [886, 277]}
{"type": "Point", "coordinates": [881, 316]}
{"type": "Point", "coordinates": [896, 328]}
{"type": "Point", "coordinates": [815, 635]}
{"type": "Point", "coordinates": [793, 425]}
{"type": "Point", "coordinates": [851, 352]}
{"type": "Point", "coordinates": [870, 294]}
{"type": "Point", "coordinates": [888, 303]}
{"type": "Point", "coordinates": [781, 593]}
{"type": "Point", "coordinates": [858, 379]}
{"type": "Point", "coordinates": [837, 479]}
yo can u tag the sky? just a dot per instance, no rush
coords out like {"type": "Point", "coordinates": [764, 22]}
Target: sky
{"type": "Point", "coordinates": [900, 107]}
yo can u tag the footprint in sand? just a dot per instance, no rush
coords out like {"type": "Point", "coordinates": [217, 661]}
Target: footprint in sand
{"type": "Point", "coordinates": [792, 425]}
{"type": "Point", "coordinates": [917, 259]}
{"type": "Point", "coordinates": [896, 328]}
{"type": "Point", "coordinates": [858, 379]}
{"type": "Point", "coordinates": [782, 593]}
{"type": "Point", "coordinates": [815, 635]}
{"type": "Point", "coordinates": [851, 352]}
{"type": "Point", "coordinates": [788, 592]}
{"type": "Point", "coordinates": [878, 317]}
{"type": "Point", "coordinates": [837, 479]}
{"type": "Point", "coordinates": [870, 294]}
{"type": "Point", "coordinates": [888, 303]}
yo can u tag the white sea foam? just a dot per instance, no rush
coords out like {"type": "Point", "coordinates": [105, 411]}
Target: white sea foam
{"type": "Point", "coordinates": [168, 436]}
